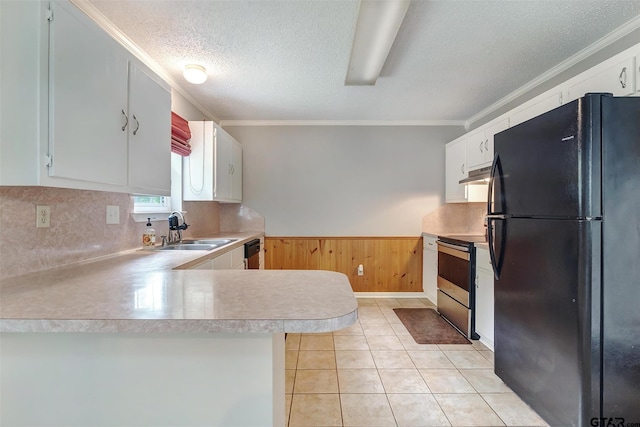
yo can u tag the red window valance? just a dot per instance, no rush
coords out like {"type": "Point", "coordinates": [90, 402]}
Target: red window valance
{"type": "Point", "coordinates": [180, 135]}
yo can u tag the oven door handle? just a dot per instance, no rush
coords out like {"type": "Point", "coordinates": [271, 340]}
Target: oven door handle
{"type": "Point", "coordinates": [454, 247]}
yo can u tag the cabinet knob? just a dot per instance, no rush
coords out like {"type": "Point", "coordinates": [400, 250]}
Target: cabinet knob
{"type": "Point", "coordinates": [137, 124]}
{"type": "Point", "coordinates": [623, 77]}
{"type": "Point", "coordinates": [126, 120]}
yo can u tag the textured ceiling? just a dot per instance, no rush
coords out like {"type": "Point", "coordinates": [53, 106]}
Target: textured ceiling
{"type": "Point", "coordinates": [287, 60]}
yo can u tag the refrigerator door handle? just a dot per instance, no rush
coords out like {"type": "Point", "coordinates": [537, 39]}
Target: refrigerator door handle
{"type": "Point", "coordinates": [492, 177]}
{"type": "Point", "coordinates": [490, 241]}
{"type": "Point", "coordinates": [496, 172]}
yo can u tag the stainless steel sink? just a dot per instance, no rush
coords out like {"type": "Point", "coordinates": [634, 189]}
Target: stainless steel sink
{"type": "Point", "coordinates": [197, 245]}
{"type": "Point", "coordinates": [217, 242]}
{"type": "Point", "coordinates": [188, 247]}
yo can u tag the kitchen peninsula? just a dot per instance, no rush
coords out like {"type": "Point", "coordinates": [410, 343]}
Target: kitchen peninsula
{"type": "Point", "coordinates": [133, 339]}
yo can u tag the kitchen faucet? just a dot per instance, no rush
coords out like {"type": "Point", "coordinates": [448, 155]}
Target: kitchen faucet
{"type": "Point", "coordinates": [174, 225]}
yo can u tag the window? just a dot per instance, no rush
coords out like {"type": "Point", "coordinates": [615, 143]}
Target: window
{"type": "Point", "coordinates": [151, 207]}
{"type": "Point", "coordinates": [151, 204]}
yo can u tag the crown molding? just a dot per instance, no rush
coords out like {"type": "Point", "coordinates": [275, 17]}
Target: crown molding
{"type": "Point", "coordinates": [224, 123]}
{"type": "Point", "coordinates": [585, 53]}
{"type": "Point", "coordinates": [103, 22]}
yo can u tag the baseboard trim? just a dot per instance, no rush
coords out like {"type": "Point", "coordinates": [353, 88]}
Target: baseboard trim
{"type": "Point", "coordinates": [390, 295]}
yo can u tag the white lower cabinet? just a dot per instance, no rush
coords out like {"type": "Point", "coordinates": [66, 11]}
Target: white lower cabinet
{"type": "Point", "coordinates": [232, 260]}
{"type": "Point", "coordinates": [484, 298]}
{"type": "Point", "coordinates": [206, 265]}
{"type": "Point", "coordinates": [430, 268]}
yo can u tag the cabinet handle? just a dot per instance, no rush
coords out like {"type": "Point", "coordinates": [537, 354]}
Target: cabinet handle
{"type": "Point", "coordinates": [137, 124]}
{"type": "Point", "coordinates": [481, 146]}
{"type": "Point", "coordinates": [623, 77]}
{"type": "Point", "coordinates": [126, 120]}
{"type": "Point", "coordinates": [486, 145]}
{"type": "Point", "coordinates": [462, 168]}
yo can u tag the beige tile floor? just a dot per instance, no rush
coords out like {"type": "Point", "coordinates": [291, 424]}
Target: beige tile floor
{"type": "Point", "coordinates": [374, 374]}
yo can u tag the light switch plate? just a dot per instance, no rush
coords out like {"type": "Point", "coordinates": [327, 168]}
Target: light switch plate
{"type": "Point", "coordinates": [113, 214]}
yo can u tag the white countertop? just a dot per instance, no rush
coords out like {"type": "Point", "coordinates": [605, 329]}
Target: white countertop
{"type": "Point", "coordinates": [145, 291]}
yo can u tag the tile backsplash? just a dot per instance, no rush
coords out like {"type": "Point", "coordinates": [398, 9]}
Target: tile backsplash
{"type": "Point", "coordinates": [78, 230]}
{"type": "Point", "coordinates": [455, 218]}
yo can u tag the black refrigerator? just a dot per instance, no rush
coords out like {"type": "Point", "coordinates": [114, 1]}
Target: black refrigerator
{"type": "Point", "coordinates": [564, 238]}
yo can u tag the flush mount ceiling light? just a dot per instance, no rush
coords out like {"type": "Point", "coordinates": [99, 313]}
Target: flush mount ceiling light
{"type": "Point", "coordinates": [195, 74]}
{"type": "Point", "coordinates": [376, 29]}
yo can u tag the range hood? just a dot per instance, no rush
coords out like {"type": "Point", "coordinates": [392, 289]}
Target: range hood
{"type": "Point", "coordinates": [477, 177]}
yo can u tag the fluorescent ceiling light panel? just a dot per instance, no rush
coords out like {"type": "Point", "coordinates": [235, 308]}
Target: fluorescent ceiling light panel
{"type": "Point", "coordinates": [376, 29]}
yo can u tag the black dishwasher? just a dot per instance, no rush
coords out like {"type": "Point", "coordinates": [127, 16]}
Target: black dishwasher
{"type": "Point", "coordinates": [252, 254]}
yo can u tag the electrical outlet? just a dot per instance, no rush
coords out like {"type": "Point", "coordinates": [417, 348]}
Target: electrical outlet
{"type": "Point", "coordinates": [113, 214]}
{"type": "Point", "coordinates": [43, 216]}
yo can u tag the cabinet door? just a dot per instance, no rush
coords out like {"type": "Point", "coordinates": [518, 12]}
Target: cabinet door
{"type": "Point", "coordinates": [484, 298]}
{"type": "Point", "coordinates": [535, 108]}
{"type": "Point", "coordinates": [430, 269]}
{"type": "Point", "coordinates": [237, 258]}
{"type": "Point", "coordinates": [475, 149]}
{"type": "Point", "coordinates": [223, 262]}
{"type": "Point", "coordinates": [149, 134]}
{"type": "Point", "coordinates": [223, 166]}
{"type": "Point", "coordinates": [198, 168]}
{"type": "Point", "coordinates": [206, 265]}
{"type": "Point", "coordinates": [455, 170]}
{"type": "Point", "coordinates": [236, 172]}
{"type": "Point", "coordinates": [88, 100]}
{"type": "Point", "coordinates": [618, 79]}
{"type": "Point", "coordinates": [490, 133]}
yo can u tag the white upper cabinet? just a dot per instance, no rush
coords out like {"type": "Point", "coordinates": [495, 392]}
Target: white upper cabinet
{"type": "Point", "coordinates": [149, 134]}
{"type": "Point", "coordinates": [213, 171]}
{"type": "Point", "coordinates": [88, 100]}
{"type": "Point", "coordinates": [476, 147]}
{"type": "Point", "coordinates": [455, 170]}
{"type": "Point", "coordinates": [616, 76]}
{"type": "Point", "coordinates": [490, 132]}
{"type": "Point", "coordinates": [88, 88]}
{"type": "Point", "coordinates": [535, 107]}
{"type": "Point", "coordinates": [229, 164]}
{"type": "Point", "coordinates": [480, 144]}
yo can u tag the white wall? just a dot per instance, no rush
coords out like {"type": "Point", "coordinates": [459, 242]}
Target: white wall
{"type": "Point", "coordinates": [343, 180]}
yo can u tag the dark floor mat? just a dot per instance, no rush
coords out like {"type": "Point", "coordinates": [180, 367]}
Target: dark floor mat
{"type": "Point", "coordinates": [427, 327]}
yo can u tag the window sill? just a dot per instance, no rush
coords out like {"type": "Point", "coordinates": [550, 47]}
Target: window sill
{"type": "Point", "coordinates": [156, 216]}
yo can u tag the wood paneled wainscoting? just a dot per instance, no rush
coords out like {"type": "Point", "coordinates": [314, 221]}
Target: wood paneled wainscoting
{"type": "Point", "coordinates": [391, 264]}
